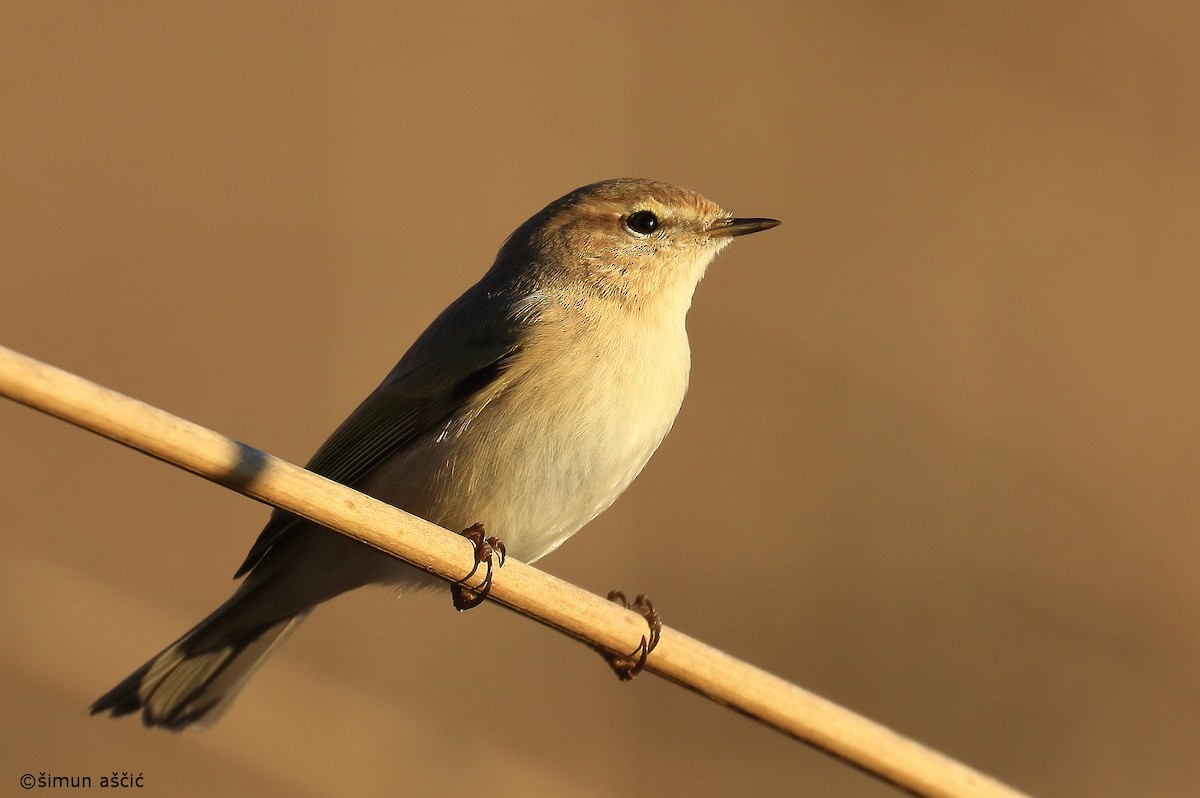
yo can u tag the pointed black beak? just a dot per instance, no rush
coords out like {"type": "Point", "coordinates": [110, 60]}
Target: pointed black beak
{"type": "Point", "coordinates": [741, 227]}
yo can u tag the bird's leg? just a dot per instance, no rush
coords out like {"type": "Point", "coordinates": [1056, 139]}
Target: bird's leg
{"type": "Point", "coordinates": [631, 664]}
{"type": "Point", "coordinates": [486, 548]}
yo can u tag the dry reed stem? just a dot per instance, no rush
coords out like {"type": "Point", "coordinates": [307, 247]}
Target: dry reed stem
{"type": "Point", "coordinates": [533, 593]}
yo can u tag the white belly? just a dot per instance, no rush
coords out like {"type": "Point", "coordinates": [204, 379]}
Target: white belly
{"type": "Point", "coordinates": [533, 478]}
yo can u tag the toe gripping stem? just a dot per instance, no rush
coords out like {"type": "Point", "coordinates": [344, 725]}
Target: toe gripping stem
{"type": "Point", "coordinates": [630, 665]}
{"type": "Point", "coordinates": [487, 549]}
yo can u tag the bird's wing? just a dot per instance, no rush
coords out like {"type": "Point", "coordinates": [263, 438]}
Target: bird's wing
{"type": "Point", "coordinates": [456, 359]}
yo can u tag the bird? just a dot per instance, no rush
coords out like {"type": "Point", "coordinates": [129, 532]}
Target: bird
{"type": "Point", "coordinates": [524, 409]}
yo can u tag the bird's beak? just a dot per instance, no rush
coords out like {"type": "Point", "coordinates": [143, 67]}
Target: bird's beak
{"type": "Point", "coordinates": [740, 227]}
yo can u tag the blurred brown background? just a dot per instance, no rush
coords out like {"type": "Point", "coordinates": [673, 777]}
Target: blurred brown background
{"type": "Point", "coordinates": [938, 463]}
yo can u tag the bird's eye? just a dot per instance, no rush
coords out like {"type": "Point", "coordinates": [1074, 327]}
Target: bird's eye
{"type": "Point", "coordinates": [642, 222]}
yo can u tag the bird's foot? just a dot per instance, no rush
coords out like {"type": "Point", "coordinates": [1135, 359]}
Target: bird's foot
{"type": "Point", "coordinates": [487, 549]}
{"type": "Point", "coordinates": [629, 665]}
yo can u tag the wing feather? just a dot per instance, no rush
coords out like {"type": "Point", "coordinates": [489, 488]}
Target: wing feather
{"type": "Point", "coordinates": [459, 357]}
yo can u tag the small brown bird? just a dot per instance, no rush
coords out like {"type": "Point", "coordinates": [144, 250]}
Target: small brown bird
{"type": "Point", "coordinates": [528, 406]}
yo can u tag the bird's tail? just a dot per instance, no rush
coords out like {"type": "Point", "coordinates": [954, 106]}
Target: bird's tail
{"type": "Point", "coordinates": [194, 680]}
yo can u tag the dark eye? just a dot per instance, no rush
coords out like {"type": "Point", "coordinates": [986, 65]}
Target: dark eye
{"type": "Point", "coordinates": [642, 222]}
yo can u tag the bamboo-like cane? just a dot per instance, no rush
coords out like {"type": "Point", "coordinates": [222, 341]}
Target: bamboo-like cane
{"type": "Point", "coordinates": [533, 593]}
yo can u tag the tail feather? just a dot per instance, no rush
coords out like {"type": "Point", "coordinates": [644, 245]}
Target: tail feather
{"type": "Point", "coordinates": [186, 684]}
{"type": "Point", "coordinates": [194, 679]}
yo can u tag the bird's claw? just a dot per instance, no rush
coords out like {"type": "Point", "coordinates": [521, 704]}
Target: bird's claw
{"type": "Point", "coordinates": [630, 665]}
{"type": "Point", "coordinates": [486, 549]}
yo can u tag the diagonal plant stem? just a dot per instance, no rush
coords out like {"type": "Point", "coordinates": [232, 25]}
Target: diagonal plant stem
{"type": "Point", "coordinates": [520, 587]}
